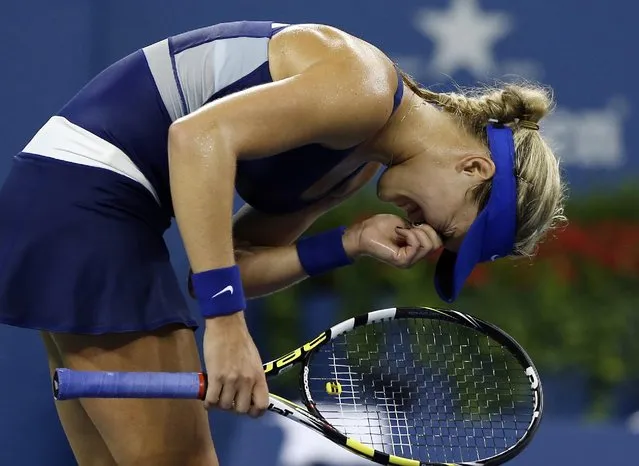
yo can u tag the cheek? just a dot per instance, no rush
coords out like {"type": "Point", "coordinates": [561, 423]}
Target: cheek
{"type": "Point", "coordinates": [393, 182]}
{"type": "Point", "coordinates": [434, 195]}
{"type": "Point", "coordinates": [441, 204]}
{"type": "Point", "coordinates": [437, 212]}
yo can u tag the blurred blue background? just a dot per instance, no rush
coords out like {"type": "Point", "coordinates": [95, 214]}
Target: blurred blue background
{"type": "Point", "coordinates": [581, 50]}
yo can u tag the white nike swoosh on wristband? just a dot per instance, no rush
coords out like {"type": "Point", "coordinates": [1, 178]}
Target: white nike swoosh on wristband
{"type": "Point", "coordinates": [228, 289]}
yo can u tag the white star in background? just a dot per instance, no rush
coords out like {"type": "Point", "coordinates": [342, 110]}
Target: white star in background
{"type": "Point", "coordinates": [464, 36]}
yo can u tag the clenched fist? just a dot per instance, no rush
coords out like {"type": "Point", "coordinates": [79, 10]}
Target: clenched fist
{"type": "Point", "coordinates": [390, 239]}
{"type": "Point", "coordinates": [236, 377]}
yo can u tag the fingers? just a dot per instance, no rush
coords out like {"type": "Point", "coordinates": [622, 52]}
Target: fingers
{"type": "Point", "coordinates": [420, 240]}
{"type": "Point", "coordinates": [238, 393]}
{"type": "Point", "coordinates": [406, 254]}
{"type": "Point", "coordinates": [213, 393]}
{"type": "Point", "coordinates": [424, 245]}
{"type": "Point", "coordinates": [428, 237]}
{"type": "Point", "coordinates": [243, 399]}
{"type": "Point", "coordinates": [260, 398]}
{"type": "Point", "coordinates": [231, 390]}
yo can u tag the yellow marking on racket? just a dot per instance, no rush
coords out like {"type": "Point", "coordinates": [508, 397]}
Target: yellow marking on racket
{"type": "Point", "coordinates": [402, 461]}
{"type": "Point", "coordinates": [361, 448]}
{"type": "Point", "coordinates": [333, 388]}
{"type": "Point", "coordinates": [369, 452]}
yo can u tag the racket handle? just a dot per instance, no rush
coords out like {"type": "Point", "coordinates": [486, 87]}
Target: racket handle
{"type": "Point", "coordinates": [69, 384]}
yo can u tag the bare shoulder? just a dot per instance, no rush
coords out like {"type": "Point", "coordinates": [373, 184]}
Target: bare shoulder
{"type": "Point", "coordinates": [328, 88]}
{"type": "Point", "coordinates": [301, 47]}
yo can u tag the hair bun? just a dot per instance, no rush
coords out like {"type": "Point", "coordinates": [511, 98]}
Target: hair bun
{"type": "Point", "coordinates": [520, 102]}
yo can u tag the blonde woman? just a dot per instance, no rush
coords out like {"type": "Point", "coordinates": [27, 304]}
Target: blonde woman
{"type": "Point", "coordinates": [296, 118]}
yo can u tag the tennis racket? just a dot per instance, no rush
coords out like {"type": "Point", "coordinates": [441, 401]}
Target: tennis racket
{"type": "Point", "coordinates": [399, 386]}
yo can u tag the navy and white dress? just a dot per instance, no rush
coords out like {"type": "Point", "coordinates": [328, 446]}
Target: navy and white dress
{"type": "Point", "coordinates": [85, 206]}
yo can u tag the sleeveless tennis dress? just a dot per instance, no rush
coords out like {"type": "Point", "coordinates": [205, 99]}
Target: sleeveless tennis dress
{"type": "Point", "coordinates": [86, 203]}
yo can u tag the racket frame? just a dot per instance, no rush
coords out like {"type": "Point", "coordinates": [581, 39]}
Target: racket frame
{"type": "Point", "coordinates": [310, 417]}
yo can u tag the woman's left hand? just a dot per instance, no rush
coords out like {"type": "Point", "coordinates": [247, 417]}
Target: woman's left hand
{"type": "Point", "coordinates": [390, 239]}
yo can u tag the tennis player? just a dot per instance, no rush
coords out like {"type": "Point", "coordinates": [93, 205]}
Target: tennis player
{"type": "Point", "coordinates": [296, 118]}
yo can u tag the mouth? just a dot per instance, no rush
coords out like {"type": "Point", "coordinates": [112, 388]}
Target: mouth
{"type": "Point", "coordinates": [414, 213]}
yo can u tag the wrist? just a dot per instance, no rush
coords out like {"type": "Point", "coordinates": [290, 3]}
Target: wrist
{"type": "Point", "coordinates": [219, 292]}
{"type": "Point", "coordinates": [323, 252]}
{"type": "Point", "coordinates": [225, 321]}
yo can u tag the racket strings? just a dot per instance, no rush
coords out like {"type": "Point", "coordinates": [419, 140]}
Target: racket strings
{"type": "Point", "coordinates": [424, 389]}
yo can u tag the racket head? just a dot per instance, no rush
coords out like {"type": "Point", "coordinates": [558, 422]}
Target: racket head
{"type": "Point", "coordinates": [423, 386]}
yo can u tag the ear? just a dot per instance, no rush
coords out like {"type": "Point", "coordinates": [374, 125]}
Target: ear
{"type": "Point", "coordinates": [478, 166]}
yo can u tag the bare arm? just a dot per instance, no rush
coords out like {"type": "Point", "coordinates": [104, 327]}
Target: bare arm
{"type": "Point", "coordinates": [264, 250]}
{"type": "Point", "coordinates": [265, 244]}
{"type": "Point", "coordinates": [342, 98]}
{"type": "Point", "coordinates": [323, 104]}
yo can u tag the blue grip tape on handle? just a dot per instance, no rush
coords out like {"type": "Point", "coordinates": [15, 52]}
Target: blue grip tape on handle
{"type": "Point", "coordinates": [69, 384]}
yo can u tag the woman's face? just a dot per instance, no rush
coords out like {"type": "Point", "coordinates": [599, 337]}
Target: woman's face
{"type": "Point", "coordinates": [436, 190]}
{"type": "Point", "coordinates": [435, 164]}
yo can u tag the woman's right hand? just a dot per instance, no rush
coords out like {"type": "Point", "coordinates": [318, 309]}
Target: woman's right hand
{"type": "Point", "coordinates": [235, 374]}
{"type": "Point", "coordinates": [390, 239]}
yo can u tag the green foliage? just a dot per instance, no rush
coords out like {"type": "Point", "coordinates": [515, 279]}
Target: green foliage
{"type": "Point", "coordinates": [574, 308]}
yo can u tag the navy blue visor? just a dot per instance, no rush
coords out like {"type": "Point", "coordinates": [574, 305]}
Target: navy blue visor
{"type": "Point", "coordinates": [492, 234]}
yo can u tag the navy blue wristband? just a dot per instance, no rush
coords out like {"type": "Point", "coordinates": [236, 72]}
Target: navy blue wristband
{"type": "Point", "coordinates": [219, 291]}
{"type": "Point", "coordinates": [323, 252]}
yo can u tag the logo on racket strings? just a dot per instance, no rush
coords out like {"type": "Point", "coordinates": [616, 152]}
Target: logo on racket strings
{"type": "Point", "coordinates": [534, 385]}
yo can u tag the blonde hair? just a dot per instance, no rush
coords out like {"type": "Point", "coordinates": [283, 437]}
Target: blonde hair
{"type": "Point", "coordinates": [540, 190]}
